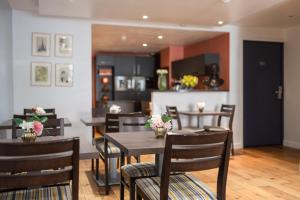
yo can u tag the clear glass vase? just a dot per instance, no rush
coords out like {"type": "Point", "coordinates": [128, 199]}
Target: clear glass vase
{"type": "Point", "coordinates": [162, 81]}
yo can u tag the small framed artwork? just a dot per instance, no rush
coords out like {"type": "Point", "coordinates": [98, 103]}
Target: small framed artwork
{"type": "Point", "coordinates": [64, 75]}
{"type": "Point", "coordinates": [40, 74]}
{"type": "Point", "coordinates": [63, 45]}
{"type": "Point", "coordinates": [41, 44]}
{"type": "Point", "coordinates": [121, 83]}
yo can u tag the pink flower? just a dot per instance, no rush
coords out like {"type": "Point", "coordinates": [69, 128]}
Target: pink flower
{"type": "Point", "coordinates": [168, 125]}
{"type": "Point", "coordinates": [38, 128]}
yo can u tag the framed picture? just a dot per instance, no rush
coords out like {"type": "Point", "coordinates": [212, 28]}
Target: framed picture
{"type": "Point", "coordinates": [121, 83]}
{"type": "Point", "coordinates": [63, 45]}
{"type": "Point", "coordinates": [41, 44]}
{"type": "Point", "coordinates": [40, 74]}
{"type": "Point", "coordinates": [64, 75]}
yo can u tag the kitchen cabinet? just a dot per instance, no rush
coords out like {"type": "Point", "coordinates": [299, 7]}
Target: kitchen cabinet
{"type": "Point", "coordinates": [125, 66]}
{"type": "Point", "coordinates": [107, 60]}
{"type": "Point", "coordinates": [145, 66]}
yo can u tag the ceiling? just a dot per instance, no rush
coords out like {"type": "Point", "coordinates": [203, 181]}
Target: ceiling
{"type": "Point", "coordinates": [184, 15]}
{"type": "Point", "coordinates": [109, 38]}
{"type": "Point", "coordinates": [282, 15]}
{"type": "Point", "coordinates": [188, 12]}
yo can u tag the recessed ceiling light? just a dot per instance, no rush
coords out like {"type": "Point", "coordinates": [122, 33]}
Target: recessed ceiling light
{"type": "Point", "coordinates": [226, 1]}
{"type": "Point", "coordinates": [145, 17]}
{"type": "Point", "coordinates": [220, 22]}
{"type": "Point", "coordinates": [123, 37]}
{"type": "Point", "coordinates": [160, 37]}
{"type": "Point", "coordinates": [145, 44]}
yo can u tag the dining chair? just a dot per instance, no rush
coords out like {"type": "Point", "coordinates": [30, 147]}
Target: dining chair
{"type": "Point", "coordinates": [108, 150]}
{"type": "Point", "coordinates": [43, 169]}
{"type": "Point", "coordinates": [187, 153]}
{"type": "Point", "coordinates": [52, 127]}
{"type": "Point", "coordinates": [173, 112]}
{"type": "Point", "coordinates": [47, 110]}
{"type": "Point", "coordinates": [228, 109]}
{"type": "Point", "coordinates": [133, 171]}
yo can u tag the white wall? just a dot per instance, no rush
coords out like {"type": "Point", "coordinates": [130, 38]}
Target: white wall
{"type": "Point", "coordinates": [6, 84]}
{"type": "Point", "coordinates": [72, 102]}
{"type": "Point", "coordinates": [291, 87]}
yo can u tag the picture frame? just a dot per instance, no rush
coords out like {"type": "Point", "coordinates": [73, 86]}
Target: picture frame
{"type": "Point", "coordinates": [41, 74]}
{"type": "Point", "coordinates": [63, 45]}
{"type": "Point", "coordinates": [121, 83]}
{"type": "Point", "coordinates": [64, 75]}
{"type": "Point", "coordinates": [41, 44]}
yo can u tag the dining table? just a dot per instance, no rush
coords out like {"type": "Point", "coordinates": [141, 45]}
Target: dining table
{"type": "Point", "coordinates": [7, 124]}
{"type": "Point", "coordinates": [199, 114]}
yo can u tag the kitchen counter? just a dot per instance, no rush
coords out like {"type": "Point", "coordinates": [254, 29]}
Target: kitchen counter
{"type": "Point", "coordinates": [186, 101]}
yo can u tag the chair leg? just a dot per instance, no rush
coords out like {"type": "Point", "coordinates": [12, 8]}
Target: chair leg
{"type": "Point", "coordinates": [92, 165]}
{"type": "Point", "coordinates": [128, 159]}
{"type": "Point", "coordinates": [132, 189]}
{"type": "Point", "coordinates": [232, 149]}
{"type": "Point", "coordinates": [106, 176]}
{"type": "Point", "coordinates": [138, 195]}
{"type": "Point", "coordinates": [138, 159]}
{"type": "Point", "coordinates": [97, 168]}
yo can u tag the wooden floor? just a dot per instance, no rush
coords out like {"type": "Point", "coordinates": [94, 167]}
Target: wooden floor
{"type": "Point", "coordinates": [266, 173]}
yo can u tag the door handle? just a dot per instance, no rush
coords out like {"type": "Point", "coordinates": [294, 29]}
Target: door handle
{"type": "Point", "coordinates": [279, 92]}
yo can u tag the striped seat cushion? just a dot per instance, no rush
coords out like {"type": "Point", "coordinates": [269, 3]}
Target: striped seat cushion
{"type": "Point", "coordinates": [137, 170]}
{"type": "Point", "coordinates": [111, 148]}
{"type": "Point", "coordinates": [180, 187]}
{"type": "Point", "coordinates": [44, 193]}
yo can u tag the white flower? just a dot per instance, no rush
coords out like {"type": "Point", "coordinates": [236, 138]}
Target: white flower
{"type": "Point", "coordinates": [115, 109]}
{"type": "Point", "coordinates": [200, 105]}
{"type": "Point", "coordinates": [26, 125]}
{"type": "Point", "coordinates": [39, 110]}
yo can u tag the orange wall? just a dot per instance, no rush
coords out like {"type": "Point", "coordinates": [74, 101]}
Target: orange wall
{"type": "Point", "coordinates": [220, 45]}
{"type": "Point", "coordinates": [167, 56]}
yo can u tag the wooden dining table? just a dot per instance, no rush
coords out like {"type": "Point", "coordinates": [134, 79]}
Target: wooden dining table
{"type": "Point", "coordinates": [5, 125]}
{"type": "Point", "coordinates": [203, 114]}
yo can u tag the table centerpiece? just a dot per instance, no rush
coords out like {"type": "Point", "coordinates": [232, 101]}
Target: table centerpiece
{"type": "Point", "coordinates": [161, 124]}
{"type": "Point", "coordinates": [33, 126]}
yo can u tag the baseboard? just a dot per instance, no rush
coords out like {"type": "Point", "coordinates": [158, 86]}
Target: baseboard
{"type": "Point", "coordinates": [292, 144]}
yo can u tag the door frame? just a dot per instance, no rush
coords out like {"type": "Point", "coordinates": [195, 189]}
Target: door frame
{"type": "Point", "coordinates": [243, 85]}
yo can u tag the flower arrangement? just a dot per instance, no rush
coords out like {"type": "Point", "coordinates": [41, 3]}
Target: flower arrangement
{"type": "Point", "coordinates": [200, 105]}
{"type": "Point", "coordinates": [160, 124]}
{"type": "Point", "coordinates": [34, 124]}
{"type": "Point", "coordinates": [189, 81]}
{"type": "Point", "coordinates": [161, 71]}
{"type": "Point", "coordinates": [115, 109]}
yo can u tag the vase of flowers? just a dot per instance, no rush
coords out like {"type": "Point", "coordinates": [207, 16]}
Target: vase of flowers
{"type": "Point", "coordinates": [162, 79]}
{"type": "Point", "coordinates": [188, 82]}
{"type": "Point", "coordinates": [33, 126]}
{"type": "Point", "coordinates": [200, 105]}
{"type": "Point", "coordinates": [161, 124]}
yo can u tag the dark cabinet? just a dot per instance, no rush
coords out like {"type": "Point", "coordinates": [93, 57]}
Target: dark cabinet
{"type": "Point", "coordinates": [107, 60]}
{"type": "Point", "coordinates": [145, 66]}
{"type": "Point", "coordinates": [125, 66]}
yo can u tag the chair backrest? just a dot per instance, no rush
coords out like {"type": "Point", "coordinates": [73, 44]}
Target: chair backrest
{"type": "Point", "coordinates": [47, 110]}
{"type": "Point", "coordinates": [112, 120]}
{"type": "Point", "coordinates": [173, 112]}
{"type": "Point", "coordinates": [184, 153]}
{"type": "Point", "coordinates": [127, 124]}
{"type": "Point", "coordinates": [230, 109]}
{"type": "Point", "coordinates": [61, 156]}
{"type": "Point", "coordinates": [52, 127]}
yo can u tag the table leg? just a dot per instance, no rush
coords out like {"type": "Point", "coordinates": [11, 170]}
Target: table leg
{"type": "Point", "coordinates": [198, 121]}
{"type": "Point", "coordinates": [122, 162]}
{"type": "Point", "coordinates": [159, 158]}
{"type": "Point", "coordinates": [93, 136]}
